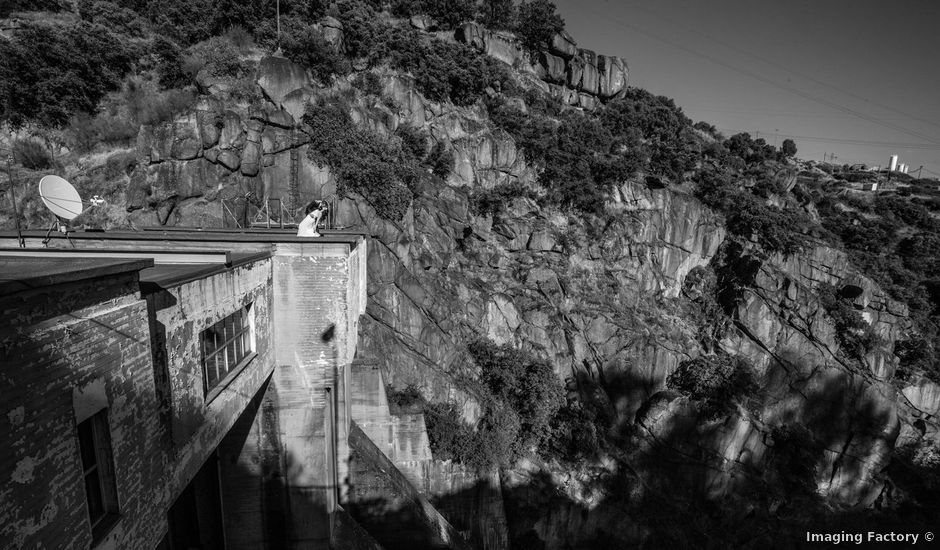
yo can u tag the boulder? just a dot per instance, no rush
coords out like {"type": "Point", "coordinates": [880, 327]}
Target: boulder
{"type": "Point", "coordinates": [295, 102]}
{"type": "Point", "coordinates": [251, 159]}
{"type": "Point", "coordinates": [612, 76]}
{"type": "Point", "coordinates": [209, 121]}
{"type": "Point", "coordinates": [422, 22]}
{"type": "Point", "coordinates": [279, 76]}
{"type": "Point", "coordinates": [573, 72]}
{"type": "Point", "coordinates": [587, 101]}
{"type": "Point", "coordinates": [563, 45]}
{"type": "Point", "coordinates": [229, 159]}
{"type": "Point", "coordinates": [503, 47]}
{"type": "Point", "coordinates": [542, 241]}
{"type": "Point", "coordinates": [563, 94]}
{"type": "Point", "coordinates": [232, 135]}
{"type": "Point", "coordinates": [589, 78]}
{"type": "Point", "coordinates": [471, 34]}
{"type": "Point", "coordinates": [553, 67]}
{"type": "Point", "coordinates": [332, 31]}
{"type": "Point", "coordinates": [273, 116]}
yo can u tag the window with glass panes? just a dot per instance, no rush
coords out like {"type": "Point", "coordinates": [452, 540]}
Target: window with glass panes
{"type": "Point", "coordinates": [94, 442]}
{"type": "Point", "coordinates": [225, 345]}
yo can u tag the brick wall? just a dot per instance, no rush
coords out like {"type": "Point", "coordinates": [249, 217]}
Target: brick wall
{"type": "Point", "coordinates": [55, 341]}
{"type": "Point", "coordinates": [61, 344]}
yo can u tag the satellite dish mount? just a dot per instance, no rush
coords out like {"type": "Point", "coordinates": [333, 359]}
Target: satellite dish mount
{"type": "Point", "coordinates": [63, 201]}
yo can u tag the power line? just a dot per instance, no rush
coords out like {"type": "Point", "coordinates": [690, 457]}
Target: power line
{"type": "Point", "coordinates": [770, 112]}
{"type": "Point", "coordinates": [849, 141]}
{"type": "Point", "coordinates": [755, 76]}
{"type": "Point", "coordinates": [785, 68]}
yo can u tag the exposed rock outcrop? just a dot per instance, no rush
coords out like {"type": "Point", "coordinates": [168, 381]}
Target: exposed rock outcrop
{"type": "Point", "coordinates": [589, 77]}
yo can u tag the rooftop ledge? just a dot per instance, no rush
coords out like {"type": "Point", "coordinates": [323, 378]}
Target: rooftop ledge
{"type": "Point", "coordinates": [190, 234]}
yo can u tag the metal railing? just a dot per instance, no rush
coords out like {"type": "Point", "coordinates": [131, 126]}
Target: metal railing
{"type": "Point", "coordinates": [249, 211]}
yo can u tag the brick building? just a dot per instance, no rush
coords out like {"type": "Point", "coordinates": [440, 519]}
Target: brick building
{"type": "Point", "coordinates": [166, 390]}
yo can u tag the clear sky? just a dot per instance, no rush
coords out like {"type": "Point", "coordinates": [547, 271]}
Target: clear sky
{"type": "Point", "coordinates": [860, 77]}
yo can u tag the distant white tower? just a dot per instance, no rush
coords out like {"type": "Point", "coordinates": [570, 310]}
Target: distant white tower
{"type": "Point", "coordinates": [894, 163]}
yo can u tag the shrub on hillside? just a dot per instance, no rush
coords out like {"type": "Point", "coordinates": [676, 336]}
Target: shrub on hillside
{"type": "Point", "coordinates": [303, 44]}
{"type": "Point", "coordinates": [12, 6]}
{"type": "Point", "coordinates": [452, 439]}
{"type": "Point", "coordinates": [247, 14]}
{"type": "Point", "coordinates": [775, 229]}
{"type": "Point", "coordinates": [440, 160]}
{"type": "Point", "coordinates": [148, 105]}
{"type": "Point", "coordinates": [492, 201]}
{"type": "Point", "coordinates": [581, 157]}
{"type": "Point", "coordinates": [752, 151]}
{"type": "Point", "coordinates": [219, 58]}
{"type": "Point", "coordinates": [537, 24]}
{"type": "Point", "coordinates": [169, 63]}
{"type": "Point", "coordinates": [365, 33]}
{"type": "Point", "coordinates": [793, 459]}
{"type": "Point", "coordinates": [449, 13]}
{"type": "Point", "coordinates": [444, 70]}
{"type": "Point", "coordinates": [497, 14]}
{"type": "Point", "coordinates": [107, 128]}
{"type": "Point", "coordinates": [701, 290]}
{"type": "Point", "coordinates": [414, 142]}
{"type": "Point", "coordinates": [364, 163]}
{"type": "Point", "coordinates": [408, 398]}
{"type": "Point", "coordinates": [115, 18]}
{"type": "Point", "coordinates": [579, 432]}
{"type": "Point", "coordinates": [855, 336]}
{"type": "Point", "coordinates": [186, 21]}
{"type": "Point", "coordinates": [31, 154]}
{"type": "Point", "coordinates": [369, 83]}
{"type": "Point", "coordinates": [716, 382]}
{"type": "Point", "coordinates": [655, 126]}
{"type": "Point", "coordinates": [524, 385]}
{"type": "Point", "coordinates": [50, 73]}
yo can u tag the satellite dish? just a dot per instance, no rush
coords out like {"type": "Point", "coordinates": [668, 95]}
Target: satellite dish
{"type": "Point", "coordinates": [60, 197]}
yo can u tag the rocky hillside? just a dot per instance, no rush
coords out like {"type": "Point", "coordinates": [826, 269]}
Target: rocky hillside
{"type": "Point", "coordinates": [726, 352]}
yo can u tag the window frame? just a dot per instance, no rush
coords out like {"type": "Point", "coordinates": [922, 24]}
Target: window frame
{"type": "Point", "coordinates": [95, 432]}
{"type": "Point", "coordinates": [236, 349]}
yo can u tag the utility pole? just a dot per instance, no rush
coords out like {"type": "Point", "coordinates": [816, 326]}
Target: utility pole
{"type": "Point", "coordinates": [16, 217]}
{"type": "Point", "coordinates": [278, 26]}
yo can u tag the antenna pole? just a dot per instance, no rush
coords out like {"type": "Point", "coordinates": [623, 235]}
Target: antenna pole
{"type": "Point", "coordinates": [16, 217]}
{"type": "Point", "coordinates": [278, 25]}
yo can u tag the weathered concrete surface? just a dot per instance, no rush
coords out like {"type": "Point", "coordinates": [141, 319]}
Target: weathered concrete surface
{"type": "Point", "coordinates": [383, 501]}
{"type": "Point", "coordinates": [318, 300]}
{"type": "Point", "coordinates": [470, 502]}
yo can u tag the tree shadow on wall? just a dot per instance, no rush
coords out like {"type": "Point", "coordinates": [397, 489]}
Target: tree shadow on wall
{"type": "Point", "coordinates": [680, 481]}
{"type": "Point", "coordinates": [675, 484]}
